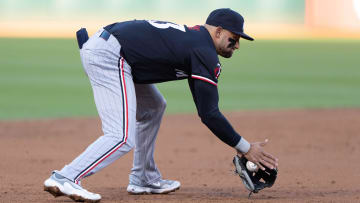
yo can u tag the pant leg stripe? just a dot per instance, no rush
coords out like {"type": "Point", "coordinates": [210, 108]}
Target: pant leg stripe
{"type": "Point", "coordinates": [125, 125]}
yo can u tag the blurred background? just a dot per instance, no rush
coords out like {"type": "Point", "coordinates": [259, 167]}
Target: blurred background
{"type": "Point", "coordinates": [306, 54]}
{"type": "Point", "coordinates": [265, 18]}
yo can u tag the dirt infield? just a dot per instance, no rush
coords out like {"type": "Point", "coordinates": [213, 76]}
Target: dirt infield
{"type": "Point", "coordinates": [318, 151]}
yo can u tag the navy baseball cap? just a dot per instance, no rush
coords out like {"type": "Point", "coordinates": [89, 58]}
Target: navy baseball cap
{"type": "Point", "coordinates": [229, 20]}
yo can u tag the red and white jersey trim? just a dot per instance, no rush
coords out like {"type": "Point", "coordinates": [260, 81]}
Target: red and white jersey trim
{"type": "Point", "coordinates": [204, 79]}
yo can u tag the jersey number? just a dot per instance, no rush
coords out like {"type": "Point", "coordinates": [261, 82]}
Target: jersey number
{"type": "Point", "coordinates": [165, 25]}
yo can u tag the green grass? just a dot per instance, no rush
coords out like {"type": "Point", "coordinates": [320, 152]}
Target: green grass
{"type": "Point", "coordinates": [42, 78]}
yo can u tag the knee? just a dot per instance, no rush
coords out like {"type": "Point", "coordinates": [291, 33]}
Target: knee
{"type": "Point", "coordinates": [130, 143]}
{"type": "Point", "coordinates": [161, 105]}
{"type": "Point", "coordinates": [158, 108]}
{"type": "Point", "coordinates": [158, 105]}
{"type": "Point", "coordinates": [150, 110]}
{"type": "Point", "coordinates": [120, 138]}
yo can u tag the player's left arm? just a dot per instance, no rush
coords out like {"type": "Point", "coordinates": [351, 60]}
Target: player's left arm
{"type": "Point", "coordinates": [206, 99]}
{"type": "Point", "coordinates": [205, 69]}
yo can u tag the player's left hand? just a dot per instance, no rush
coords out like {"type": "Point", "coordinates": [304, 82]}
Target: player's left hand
{"type": "Point", "coordinates": [254, 181]}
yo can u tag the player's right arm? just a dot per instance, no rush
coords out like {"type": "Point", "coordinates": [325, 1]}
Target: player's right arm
{"type": "Point", "coordinates": [206, 99]}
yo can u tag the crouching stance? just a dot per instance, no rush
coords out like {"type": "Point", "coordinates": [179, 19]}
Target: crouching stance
{"type": "Point", "coordinates": [123, 61]}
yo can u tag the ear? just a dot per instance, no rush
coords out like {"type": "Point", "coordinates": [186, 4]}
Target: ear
{"type": "Point", "coordinates": [218, 31]}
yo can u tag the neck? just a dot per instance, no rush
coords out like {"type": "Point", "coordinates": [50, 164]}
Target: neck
{"type": "Point", "coordinates": [212, 31]}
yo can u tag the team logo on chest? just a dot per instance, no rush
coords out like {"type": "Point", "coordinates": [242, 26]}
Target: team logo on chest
{"type": "Point", "coordinates": [217, 70]}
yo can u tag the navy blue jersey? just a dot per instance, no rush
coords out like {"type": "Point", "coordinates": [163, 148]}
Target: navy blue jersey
{"type": "Point", "coordinates": [160, 51]}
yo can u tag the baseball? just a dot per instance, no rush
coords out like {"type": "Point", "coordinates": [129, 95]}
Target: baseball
{"type": "Point", "coordinates": [251, 166]}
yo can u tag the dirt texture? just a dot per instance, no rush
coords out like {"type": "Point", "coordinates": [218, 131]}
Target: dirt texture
{"type": "Point", "coordinates": [318, 151]}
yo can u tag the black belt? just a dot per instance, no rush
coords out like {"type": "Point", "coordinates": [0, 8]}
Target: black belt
{"type": "Point", "coordinates": [105, 35]}
{"type": "Point", "coordinates": [82, 36]}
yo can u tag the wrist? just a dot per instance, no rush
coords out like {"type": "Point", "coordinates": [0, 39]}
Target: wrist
{"type": "Point", "coordinates": [243, 146]}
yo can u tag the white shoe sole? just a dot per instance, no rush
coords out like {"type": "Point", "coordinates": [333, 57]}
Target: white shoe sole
{"type": "Point", "coordinates": [138, 190]}
{"type": "Point", "coordinates": [57, 190]}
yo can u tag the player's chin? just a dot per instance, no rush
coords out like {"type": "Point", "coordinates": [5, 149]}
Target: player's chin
{"type": "Point", "coordinates": [227, 54]}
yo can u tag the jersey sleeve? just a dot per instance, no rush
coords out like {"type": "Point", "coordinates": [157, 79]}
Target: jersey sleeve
{"type": "Point", "coordinates": [206, 99]}
{"type": "Point", "coordinates": [205, 65]}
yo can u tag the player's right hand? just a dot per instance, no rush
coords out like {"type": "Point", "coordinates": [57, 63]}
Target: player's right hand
{"type": "Point", "coordinates": [257, 155]}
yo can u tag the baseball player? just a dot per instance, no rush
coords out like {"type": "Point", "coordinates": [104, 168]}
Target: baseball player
{"type": "Point", "coordinates": [123, 61]}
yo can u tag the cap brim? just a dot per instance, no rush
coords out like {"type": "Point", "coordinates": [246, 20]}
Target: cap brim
{"type": "Point", "coordinates": [245, 36]}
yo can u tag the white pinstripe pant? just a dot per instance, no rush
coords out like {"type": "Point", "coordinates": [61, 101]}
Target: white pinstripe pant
{"type": "Point", "coordinates": [127, 118]}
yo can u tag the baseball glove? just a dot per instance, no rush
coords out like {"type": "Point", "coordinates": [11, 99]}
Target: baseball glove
{"type": "Point", "coordinates": [254, 181]}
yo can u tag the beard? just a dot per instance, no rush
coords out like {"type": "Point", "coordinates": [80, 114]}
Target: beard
{"type": "Point", "coordinates": [228, 51]}
{"type": "Point", "coordinates": [225, 54]}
